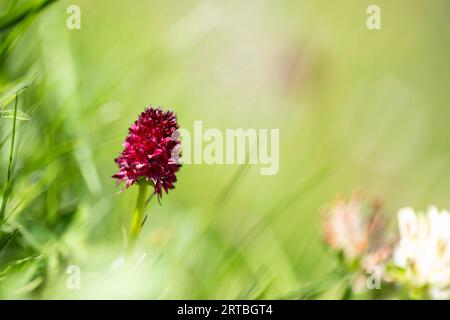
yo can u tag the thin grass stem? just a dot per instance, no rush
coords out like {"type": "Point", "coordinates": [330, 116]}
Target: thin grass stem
{"type": "Point", "coordinates": [10, 164]}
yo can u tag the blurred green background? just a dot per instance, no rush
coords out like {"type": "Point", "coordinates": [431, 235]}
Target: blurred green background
{"type": "Point", "coordinates": [357, 110]}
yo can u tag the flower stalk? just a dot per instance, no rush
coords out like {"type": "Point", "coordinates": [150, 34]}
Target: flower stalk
{"type": "Point", "coordinates": [148, 161]}
{"type": "Point", "coordinates": [138, 218]}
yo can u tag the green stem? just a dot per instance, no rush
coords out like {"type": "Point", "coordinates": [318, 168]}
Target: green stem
{"type": "Point", "coordinates": [10, 167]}
{"type": "Point", "coordinates": [138, 217]}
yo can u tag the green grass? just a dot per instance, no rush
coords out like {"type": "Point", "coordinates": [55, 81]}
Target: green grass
{"type": "Point", "coordinates": [357, 110]}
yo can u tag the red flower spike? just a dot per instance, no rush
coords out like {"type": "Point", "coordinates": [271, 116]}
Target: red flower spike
{"type": "Point", "coordinates": [148, 150]}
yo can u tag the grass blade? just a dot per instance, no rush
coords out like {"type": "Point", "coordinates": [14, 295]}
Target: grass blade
{"type": "Point", "coordinates": [8, 94]}
{"type": "Point", "coordinates": [11, 157]}
{"type": "Point", "coordinates": [22, 12]}
{"type": "Point", "coordinates": [19, 115]}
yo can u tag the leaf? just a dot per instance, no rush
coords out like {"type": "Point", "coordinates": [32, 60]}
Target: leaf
{"type": "Point", "coordinates": [8, 113]}
{"type": "Point", "coordinates": [9, 93]}
{"type": "Point", "coordinates": [8, 242]}
{"type": "Point", "coordinates": [22, 11]}
{"type": "Point", "coordinates": [396, 272]}
{"type": "Point", "coordinates": [15, 265]}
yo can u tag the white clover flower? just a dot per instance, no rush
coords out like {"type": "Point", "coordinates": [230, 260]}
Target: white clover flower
{"type": "Point", "coordinates": [423, 251]}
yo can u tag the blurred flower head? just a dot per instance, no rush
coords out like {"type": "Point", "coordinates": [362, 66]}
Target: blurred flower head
{"type": "Point", "coordinates": [423, 251]}
{"type": "Point", "coordinates": [353, 227]}
{"type": "Point", "coordinates": [147, 154]}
